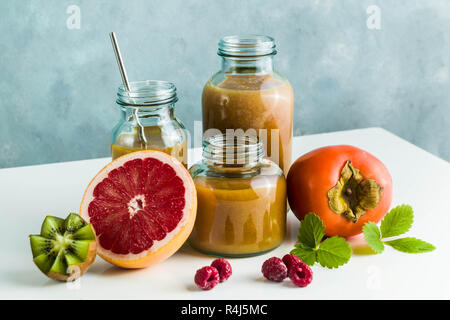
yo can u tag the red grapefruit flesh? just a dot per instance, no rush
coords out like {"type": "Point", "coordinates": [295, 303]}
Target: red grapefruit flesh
{"type": "Point", "coordinates": [142, 207]}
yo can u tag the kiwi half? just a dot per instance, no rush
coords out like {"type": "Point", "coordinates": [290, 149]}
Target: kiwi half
{"type": "Point", "coordinates": [64, 248]}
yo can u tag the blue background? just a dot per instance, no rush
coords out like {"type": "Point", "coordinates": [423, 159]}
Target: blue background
{"type": "Point", "coordinates": [58, 85]}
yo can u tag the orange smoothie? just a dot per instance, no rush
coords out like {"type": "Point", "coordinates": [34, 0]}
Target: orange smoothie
{"type": "Point", "coordinates": [252, 101]}
{"type": "Point", "coordinates": [130, 142]}
{"type": "Point", "coordinates": [238, 217]}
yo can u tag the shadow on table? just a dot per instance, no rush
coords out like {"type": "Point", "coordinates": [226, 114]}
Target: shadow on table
{"type": "Point", "coordinates": [187, 250]}
{"type": "Point", "coordinates": [103, 268]}
{"type": "Point", "coordinates": [29, 278]}
{"type": "Point", "coordinates": [193, 287]}
{"type": "Point", "coordinates": [359, 246]}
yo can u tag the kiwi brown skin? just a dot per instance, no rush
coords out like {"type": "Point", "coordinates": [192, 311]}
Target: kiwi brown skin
{"type": "Point", "coordinates": [83, 267]}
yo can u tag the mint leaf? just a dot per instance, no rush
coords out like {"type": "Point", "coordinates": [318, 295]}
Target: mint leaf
{"type": "Point", "coordinates": [397, 221]}
{"type": "Point", "coordinates": [311, 230]}
{"type": "Point", "coordinates": [373, 236]}
{"type": "Point", "coordinates": [305, 253]}
{"type": "Point", "coordinates": [410, 245]}
{"type": "Point", "coordinates": [334, 252]}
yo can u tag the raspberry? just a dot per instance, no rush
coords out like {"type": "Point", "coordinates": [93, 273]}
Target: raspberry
{"type": "Point", "coordinates": [224, 268]}
{"type": "Point", "coordinates": [274, 269]}
{"type": "Point", "coordinates": [290, 259]}
{"type": "Point", "coordinates": [206, 278]}
{"type": "Point", "coordinates": [300, 274]}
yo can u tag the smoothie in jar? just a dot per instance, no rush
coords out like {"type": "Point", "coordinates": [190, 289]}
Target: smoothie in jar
{"type": "Point", "coordinates": [248, 94]}
{"type": "Point", "coordinates": [241, 199]}
{"type": "Point", "coordinates": [130, 142]}
{"type": "Point", "coordinates": [148, 121]}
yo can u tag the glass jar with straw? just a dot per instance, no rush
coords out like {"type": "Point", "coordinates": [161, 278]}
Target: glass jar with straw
{"type": "Point", "coordinates": [147, 117]}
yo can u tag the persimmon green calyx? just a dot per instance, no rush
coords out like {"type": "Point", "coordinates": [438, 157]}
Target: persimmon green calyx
{"type": "Point", "coordinates": [353, 195]}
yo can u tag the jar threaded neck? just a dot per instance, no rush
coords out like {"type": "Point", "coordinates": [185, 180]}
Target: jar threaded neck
{"type": "Point", "coordinates": [232, 150]}
{"type": "Point", "coordinates": [250, 45]}
{"type": "Point", "coordinates": [147, 93]}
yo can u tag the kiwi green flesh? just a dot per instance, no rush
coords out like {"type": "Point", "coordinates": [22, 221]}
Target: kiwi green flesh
{"type": "Point", "coordinates": [84, 233]}
{"type": "Point", "coordinates": [72, 259]}
{"type": "Point", "coordinates": [43, 262]}
{"type": "Point", "coordinates": [61, 244]}
{"type": "Point", "coordinates": [51, 226]}
{"type": "Point", "coordinates": [39, 245]}
{"type": "Point", "coordinates": [59, 265]}
{"type": "Point", "coordinates": [74, 222]}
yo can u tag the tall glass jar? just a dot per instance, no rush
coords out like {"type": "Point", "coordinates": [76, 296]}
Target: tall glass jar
{"type": "Point", "coordinates": [241, 198]}
{"type": "Point", "coordinates": [248, 94]}
{"type": "Point", "coordinates": [147, 120]}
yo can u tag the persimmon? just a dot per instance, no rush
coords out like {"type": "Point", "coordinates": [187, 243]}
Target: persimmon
{"type": "Point", "coordinates": [344, 185]}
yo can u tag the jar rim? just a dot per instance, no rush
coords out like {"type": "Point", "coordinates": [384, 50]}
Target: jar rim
{"type": "Point", "coordinates": [147, 93]}
{"type": "Point", "coordinates": [246, 45]}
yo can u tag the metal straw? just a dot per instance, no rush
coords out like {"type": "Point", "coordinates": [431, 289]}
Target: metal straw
{"type": "Point", "coordinates": [123, 73]}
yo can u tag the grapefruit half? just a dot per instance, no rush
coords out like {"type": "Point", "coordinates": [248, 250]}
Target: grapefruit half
{"type": "Point", "coordinates": [142, 207]}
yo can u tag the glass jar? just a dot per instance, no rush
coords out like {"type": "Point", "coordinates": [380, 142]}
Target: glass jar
{"type": "Point", "coordinates": [248, 94]}
{"type": "Point", "coordinates": [148, 121]}
{"type": "Point", "coordinates": [241, 199]}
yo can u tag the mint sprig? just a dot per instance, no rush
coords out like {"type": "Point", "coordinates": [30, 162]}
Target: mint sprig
{"type": "Point", "coordinates": [331, 253]}
{"type": "Point", "coordinates": [396, 222]}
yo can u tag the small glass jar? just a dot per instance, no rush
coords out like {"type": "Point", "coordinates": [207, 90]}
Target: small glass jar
{"type": "Point", "coordinates": [148, 121]}
{"type": "Point", "coordinates": [248, 94]}
{"type": "Point", "coordinates": [241, 199]}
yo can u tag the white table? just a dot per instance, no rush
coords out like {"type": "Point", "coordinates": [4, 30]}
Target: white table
{"type": "Point", "coordinates": [422, 180]}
